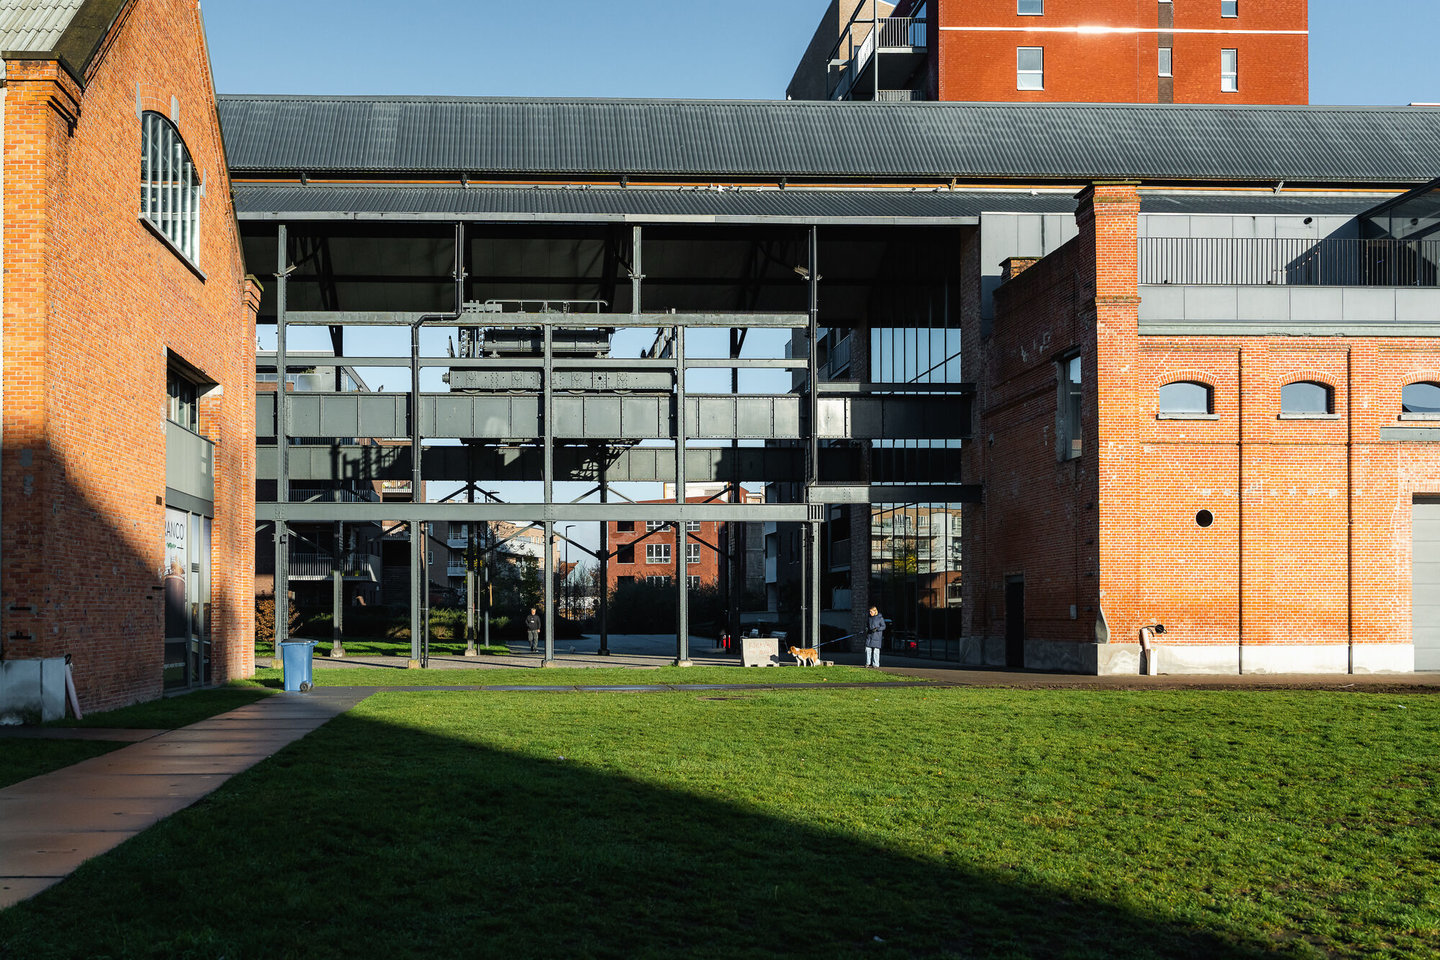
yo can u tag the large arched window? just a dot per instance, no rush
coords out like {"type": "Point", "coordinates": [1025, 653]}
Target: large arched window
{"type": "Point", "coordinates": [1421, 398]}
{"type": "Point", "coordinates": [1186, 398]}
{"type": "Point", "coordinates": [1306, 398]}
{"type": "Point", "coordinates": [170, 186]}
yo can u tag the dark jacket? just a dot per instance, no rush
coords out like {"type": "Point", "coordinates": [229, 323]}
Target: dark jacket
{"type": "Point", "coordinates": [874, 631]}
{"type": "Point", "coordinates": [532, 623]}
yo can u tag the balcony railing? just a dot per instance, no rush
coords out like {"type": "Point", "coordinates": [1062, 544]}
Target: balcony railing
{"type": "Point", "coordinates": [1289, 262]}
{"type": "Point", "coordinates": [310, 564]}
{"type": "Point", "coordinates": [896, 34]}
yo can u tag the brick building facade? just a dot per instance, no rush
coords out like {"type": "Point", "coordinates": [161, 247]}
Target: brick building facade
{"type": "Point", "coordinates": [647, 550]}
{"type": "Point", "coordinates": [128, 358]}
{"type": "Point", "coordinates": [1234, 457]}
{"type": "Point", "coordinates": [1062, 51]}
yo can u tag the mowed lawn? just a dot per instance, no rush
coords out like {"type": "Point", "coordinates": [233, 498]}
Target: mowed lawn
{"type": "Point", "coordinates": [877, 822]}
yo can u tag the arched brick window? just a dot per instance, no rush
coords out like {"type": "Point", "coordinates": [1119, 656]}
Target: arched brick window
{"type": "Point", "coordinates": [1186, 398]}
{"type": "Point", "coordinates": [1307, 398]}
{"type": "Point", "coordinates": [170, 186]}
{"type": "Point", "coordinates": [1422, 397]}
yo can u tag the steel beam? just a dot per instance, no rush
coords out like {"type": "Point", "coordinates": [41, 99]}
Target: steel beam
{"type": "Point", "coordinates": [485, 318]}
{"type": "Point", "coordinates": [718, 512]}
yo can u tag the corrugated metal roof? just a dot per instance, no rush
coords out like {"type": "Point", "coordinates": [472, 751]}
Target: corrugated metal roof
{"type": "Point", "coordinates": [35, 26]}
{"type": "Point", "coordinates": [1068, 142]}
{"type": "Point", "coordinates": [1262, 204]}
{"type": "Point", "coordinates": [327, 201]}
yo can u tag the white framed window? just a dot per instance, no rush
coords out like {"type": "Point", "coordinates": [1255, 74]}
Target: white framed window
{"type": "Point", "coordinates": [1229, 71]}
{"type": "Point", "coordinates": [1069, 428]}
{"type": "Point", "coordinates": [692, 526]}
{"type": "Point", "coordinates": [1030, 8]}
{"type": "Point", "coordinates": [657, 553]}
{"type": "Point", "coordinates": [1030, 68]}
{"type": "Point", "coordinates": [693, 581]}
{"type": "Point", "coordinates": [660, 581]}
{"type": "Point", "coordinates": [1167, 62]}
{"type": "Point", "coordinates": [1421, 400]}
{"type": "Point", "coordinates": [1229, 8]}
{"type": "Point", "coordinates": [692, 553]}
{"type": "Point", "coordinates": [170, 186]}
{"type": "Point", "coordinates": [652, 525]}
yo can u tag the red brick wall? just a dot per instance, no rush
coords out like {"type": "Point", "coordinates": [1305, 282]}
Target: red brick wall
{"type": "Point", "coordinates": [1310, 542]}
{"type": "Point", "coordinates": [708, 569]}
{"type": "Point", "coordinates": [92, 301]}
{"type": "Point", "coordinates": [1122, 66]}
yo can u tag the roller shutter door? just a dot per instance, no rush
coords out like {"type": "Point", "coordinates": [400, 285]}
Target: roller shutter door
{"type": "Point", "coordinates": [1425, 583]}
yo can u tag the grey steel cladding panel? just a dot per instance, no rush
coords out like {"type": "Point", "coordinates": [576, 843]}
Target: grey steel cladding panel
{"type": "Point", "coordinates": [1425, 585]}
{"type": "Point", "coordinates": [833, 418]}
{"type": "Point", "coordinates": [264, 414]}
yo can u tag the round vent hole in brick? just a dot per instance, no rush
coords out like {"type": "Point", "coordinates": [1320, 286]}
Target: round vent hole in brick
{"type": "Point", "coordinates": [1204, 518]}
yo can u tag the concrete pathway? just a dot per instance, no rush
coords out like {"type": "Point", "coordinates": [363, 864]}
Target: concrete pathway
{"type": "Point", "coordinates": [51, 824]}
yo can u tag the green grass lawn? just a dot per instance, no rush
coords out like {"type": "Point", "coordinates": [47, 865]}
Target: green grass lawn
{"type": "Point", "coordinates": [23, 759]}
{"type": "Point", "coordinates": [885, 822]}
{"type": "Point", "coordinates": [580, 676]}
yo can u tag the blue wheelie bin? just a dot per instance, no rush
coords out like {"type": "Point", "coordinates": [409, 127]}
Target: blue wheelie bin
{"type": "Point", "coordinates": [297, 658]}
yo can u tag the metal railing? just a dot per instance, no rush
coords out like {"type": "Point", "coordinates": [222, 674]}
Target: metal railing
{"type": "Point", "coordinates": [1289, 262]}
{"type": "Point", "coordinates": [310, 564]}
{"type": "Point", "coordinates": [895, 34]}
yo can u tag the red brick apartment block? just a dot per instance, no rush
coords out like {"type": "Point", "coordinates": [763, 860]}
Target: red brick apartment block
{"type": "Point", "coordinates": [1061, 51]}
{"type": "Point", "coordinates": [1263, 540]}
{"type": "Point", "coordinates": [1107, 51]}
{"type": "Point", "coordinates": [105, 318]}
{"type": "Point", "coordinates": [645, 554]}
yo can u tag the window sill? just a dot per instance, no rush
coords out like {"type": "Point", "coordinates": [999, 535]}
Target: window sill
{"type": "Point", "coordinates": [1308, 416]}
{"type": "Point", "coordinates": [190, 264]}
{"type": "Point", "coordinates": [1432, 417]}
{"type": "Point", "coordinates": [1186, 416]}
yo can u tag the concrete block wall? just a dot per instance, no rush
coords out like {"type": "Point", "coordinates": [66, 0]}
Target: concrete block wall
{"type": "Point", "coordinates": [94, 304]}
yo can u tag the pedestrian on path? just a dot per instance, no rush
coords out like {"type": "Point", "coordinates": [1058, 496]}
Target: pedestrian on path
{"type": "Point", "coordinates": [532, 630]}
{"type": "Point", "coordinates": [874, 633]}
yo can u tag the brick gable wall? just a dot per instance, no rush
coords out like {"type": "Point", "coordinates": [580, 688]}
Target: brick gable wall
{"type": "Point", "coordinates": [93, 300]}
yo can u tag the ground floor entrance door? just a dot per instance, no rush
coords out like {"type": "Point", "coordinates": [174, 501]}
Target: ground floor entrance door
{"type": "Point", "coordinates": [1015, 622]}
{"type": "Point", "coordinates": [187, 599]}
{"type": "Point", "coordinates": [1425, 582]}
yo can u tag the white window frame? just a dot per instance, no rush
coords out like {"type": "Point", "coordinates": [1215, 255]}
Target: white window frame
{"type": "Point", "coordinates": [660, 580]}
{"type": "Point", "coordinates": [652, 525]}
{"type": "Point", "coordinates": [171, 188]}
{"type": "Point", "coordinates": [692, 526]}
{"type": "Point", "coordinates": [657, 553]}
{"type": "Point", "coordinates": [1022, 74]}
{"type": "Point", "coordinates": [1229, 70]}
{"type": "Point", "coordinates": [692, 553]}
{"type": "Point", "coordinates": [1233, 6]}
{"type": "Point", "coordinates": [694, 582]}
{"type": "Point", "coordinates": [1020, 6]}
{"type": "Point", "coordinates": [1167, 61]}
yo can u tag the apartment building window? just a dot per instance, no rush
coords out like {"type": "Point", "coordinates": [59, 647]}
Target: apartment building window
{"type": "Point", "coordinates": [1167, 67]}
{"type": "Point", "coordinates": [1030, 8]}
{"type": "Point", "coordinates": [625, 554]}
{"type": "Point", "coordinates": [692, 553]}
{"type": "Point", "coordinates": [624, 526]}
{"type": "Point", "coordinates": [1306, 398]}
{"type": "Point", "coordinates": [652, 525]}
{"type": "Point", "coordinates": [1229, 71]}
{"type": "Point", "coordinates": [692, 526]}
{"type": "Point", "coordinates": [694, 582]}
{"type": "Point", "coordinates": [1030, 68]}
{"type": "Point", "coordinates": [1229, 8]}
{"type": "Point", "coordinates": [657, 553]}
{"type": "Point", "coordinates": [170, 186]}
{"type": "Point", "coordinates": [657, 581]}
{"type": "Point", "coordinates": [182, 404]}
{"type": "Point", "coordinates": [1068, 426]}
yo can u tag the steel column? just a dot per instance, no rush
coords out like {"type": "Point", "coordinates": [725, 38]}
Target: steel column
{"type": "Point", "coordinates": [604, 597]}
{"type": "Point", "coordinates": [548, 476]}
{"type": "Point", "coordinates": [337, 616]}
{"type": "Point", "coordinates": [682, 564]}
{"type": "Point", "coordinates": [812, 465]}
{"type": "Point", "coordinates": [282, 449]}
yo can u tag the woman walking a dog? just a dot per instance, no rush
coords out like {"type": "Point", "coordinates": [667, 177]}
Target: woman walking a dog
{"type": "Point", "coordinates": [874, 632]}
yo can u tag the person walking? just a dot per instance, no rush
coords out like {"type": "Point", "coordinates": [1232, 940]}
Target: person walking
{"type": "Point", "coordinates": [874, 633]}
{"type": "Point", "coordinates": [532, 630]}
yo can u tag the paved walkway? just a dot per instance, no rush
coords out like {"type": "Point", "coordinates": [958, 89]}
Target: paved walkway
{"type": "Point", "coordinates": [51, 824]}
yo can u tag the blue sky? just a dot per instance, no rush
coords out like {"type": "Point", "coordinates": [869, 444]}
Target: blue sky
{"type": "Point", "coordinates": [1372, 52]}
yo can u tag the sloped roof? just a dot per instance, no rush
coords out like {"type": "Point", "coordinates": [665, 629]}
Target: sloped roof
{"type": "Point", "coordinates": [1064, 142]}
{"type": "Point", "coordinates": [35, 26]}
{"type": "Point", "coordinates": [70, 31]}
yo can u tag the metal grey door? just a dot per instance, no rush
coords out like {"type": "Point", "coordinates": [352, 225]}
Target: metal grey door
{"type": "Point", "coordinates": [1425, 583]}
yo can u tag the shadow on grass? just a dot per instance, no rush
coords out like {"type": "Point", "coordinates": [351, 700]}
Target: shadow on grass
{"type": "Point", "coordinates": [373, 839]}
